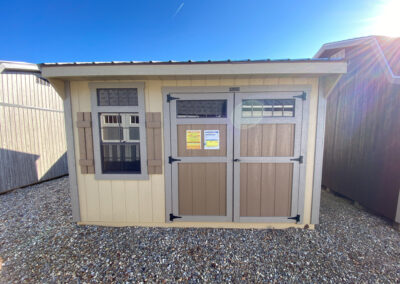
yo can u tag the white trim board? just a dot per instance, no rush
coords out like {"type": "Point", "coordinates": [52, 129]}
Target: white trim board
{"type": "Point", "coordinates": [268, 68]}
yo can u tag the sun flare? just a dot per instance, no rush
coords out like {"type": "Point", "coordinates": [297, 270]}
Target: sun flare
{"type": "Point", "coordinates": [387, 21]}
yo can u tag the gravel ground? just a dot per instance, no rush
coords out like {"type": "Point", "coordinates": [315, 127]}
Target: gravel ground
{"type": "Point", "coordinates": [39, 243]}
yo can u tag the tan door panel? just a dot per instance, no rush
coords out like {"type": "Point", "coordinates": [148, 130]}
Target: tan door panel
{"type": "Point", "coordinates": [202, 189]}
{"type": "Point", "coordinates": [265, 189]}
{"type": "Point", "coordinates": [267, 140]}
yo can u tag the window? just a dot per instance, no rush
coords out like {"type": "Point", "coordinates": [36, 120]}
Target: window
{"type": "Point", "coordinates": [118, 121]}
{"type": "Point", "coordinates": [201, 108]}
{"type": "Point", "coordinates": [117, 97]}
{"type": "Point", "coordinates": [120, 143]}
{"type": "Point", "coordinates": [268, 108]}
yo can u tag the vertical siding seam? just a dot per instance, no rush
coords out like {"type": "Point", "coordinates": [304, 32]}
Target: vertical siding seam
{"type": "Point", "coordinates": [125, 211]}
{"type": "Point", "coordinates": [148, 107]}
{"type": "Point", "coordinates": [260, 187]}
{"type": "Point", "coordinates": [77, 90]}
{"type": "Point", "coordinates": [275, 209]}
{"type": "Point", "coordinates": [40, 123]}
{"type": "Point", "coordinates": [137, 203]}
{"type": "Point", "coordinates": [35, 114]}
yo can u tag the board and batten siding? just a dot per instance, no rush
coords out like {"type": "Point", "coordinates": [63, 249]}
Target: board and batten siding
{"type": "Point", "coordinates": [32, 131]}
{"type": "Point", "coordinates": [142, 202]}
{"type": "Point", "coordinates": [362, 140]}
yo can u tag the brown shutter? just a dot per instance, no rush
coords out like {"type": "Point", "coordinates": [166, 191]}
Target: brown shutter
{"type": "Point", "coordinates": [153, 133]}
{"type": "Point", "coordinates": [84, 124]}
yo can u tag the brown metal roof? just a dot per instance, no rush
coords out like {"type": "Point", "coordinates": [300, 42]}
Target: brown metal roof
{"type": "Point", "coordinates": [189, 62]}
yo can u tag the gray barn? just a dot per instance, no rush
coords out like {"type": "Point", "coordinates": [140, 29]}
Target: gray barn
{"type": "Point", "coordinates": [32, 131]}
{"type": "Point", "coordinates": [362, 142]}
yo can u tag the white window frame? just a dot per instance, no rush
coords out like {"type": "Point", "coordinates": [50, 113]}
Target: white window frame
{"type": "Point", "coordinates": [96, 110]}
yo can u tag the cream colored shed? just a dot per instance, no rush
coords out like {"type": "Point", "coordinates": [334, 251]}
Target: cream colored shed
{"type": "Point", "coordinates": [234, 144]}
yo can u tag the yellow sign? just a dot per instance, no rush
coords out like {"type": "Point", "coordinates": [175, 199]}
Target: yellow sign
{"type": "Point", "coordinates": [193, 139]}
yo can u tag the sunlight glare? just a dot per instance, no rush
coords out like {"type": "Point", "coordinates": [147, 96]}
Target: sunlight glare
{"type": "Point", "coordinates": [387, 21]}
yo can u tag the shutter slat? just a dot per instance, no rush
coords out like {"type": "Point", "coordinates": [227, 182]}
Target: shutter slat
{"type": "Point", "coordinates": [83, 124]}
{"type": "Point", "coordinates": [154, 142]}
{"type": "Point", "coordinates": [154, 162]}
{"type": "Point", "coordinates": [153, 124]}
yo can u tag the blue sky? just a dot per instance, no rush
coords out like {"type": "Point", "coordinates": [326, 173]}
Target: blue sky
{"type": "Point", "coordinates": [58, 31]}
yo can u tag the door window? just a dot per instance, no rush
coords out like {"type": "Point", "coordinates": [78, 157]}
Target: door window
{"type": "Point", "coordinates": [201, 108]}
{"type": "Point", "coordinates": [268, 107]}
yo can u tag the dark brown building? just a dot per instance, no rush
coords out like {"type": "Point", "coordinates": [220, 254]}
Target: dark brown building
{"type": "Point", "coordinates": [362, 140]}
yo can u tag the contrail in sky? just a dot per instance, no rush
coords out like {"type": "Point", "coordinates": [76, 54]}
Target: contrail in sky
{"type": "Point", "coordinates": [178, 10]}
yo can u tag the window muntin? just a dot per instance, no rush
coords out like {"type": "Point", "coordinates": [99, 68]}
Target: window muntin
{"type": "Point", "coordinates": [120, 142]}
{"type": "Point", "coordinates": [117, 97]}
{"type": "Point", "coordinates": [201, 109]}
{"type": "Point", "coordinates": [254, 108]}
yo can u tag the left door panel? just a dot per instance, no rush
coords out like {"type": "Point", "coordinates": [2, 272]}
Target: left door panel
{"type": "Point", "coordinates": [202, 142]}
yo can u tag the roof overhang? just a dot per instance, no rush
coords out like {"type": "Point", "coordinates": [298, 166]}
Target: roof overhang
{"type": "Point", "coordinates": [342, 44]}
{"type": "Point", "coordinates": [18, 66]}
{"type": "Point", "coordinates": [194, 69]}
{"type": "Point", "coordinates": [370, 40]}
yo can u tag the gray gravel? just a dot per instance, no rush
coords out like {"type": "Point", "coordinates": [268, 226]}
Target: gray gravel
{"type": "Point", "coordinates": [39, 243]}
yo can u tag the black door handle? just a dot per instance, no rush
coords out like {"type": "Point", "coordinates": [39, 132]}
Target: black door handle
{"type": "Point", "coordinates": [236, 160]}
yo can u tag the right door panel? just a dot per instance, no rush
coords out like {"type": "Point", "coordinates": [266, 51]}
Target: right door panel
{"type": "Point", "coordinates": [267, 141]}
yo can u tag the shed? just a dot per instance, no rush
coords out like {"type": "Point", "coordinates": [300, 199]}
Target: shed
{"type": "Point", "coordinates": [32, 132]}
{"type": "Point", "coordinates": [362, 148]}
{"type": "Point", "coordinates": [233, 144]}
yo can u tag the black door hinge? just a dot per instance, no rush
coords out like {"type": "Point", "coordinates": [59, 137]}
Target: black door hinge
{"type": "Point", "coordinates": [297, 218]}
{"type": "Point", "coordinates": [299, 159]}
{"type": "Point", "coordinates": [171, 98]}
{"type": "Point", "coordinates": [171, 160]}
{"type": "Point", "coordinates": [303, 96]}
{"type": "Point", "coordinates": [172, 217]}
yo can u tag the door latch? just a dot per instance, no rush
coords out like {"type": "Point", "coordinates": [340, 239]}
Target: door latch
{"type": "Point", "coordinates": [172, 217]}
{"type": "Point", "coordinates": [297, 218]}
{"type": "Point", "coordinates": [171, 160]}
{"type": "Point", "coordinates": [236, 160]}
{"type": "Point", "coordinates": [299, 159]}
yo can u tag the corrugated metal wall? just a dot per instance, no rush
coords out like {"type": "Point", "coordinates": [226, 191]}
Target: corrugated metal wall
{"type": "Point", "coordinates": [362, 142]}
{"type": "Point", "coordinates": [32, 131]}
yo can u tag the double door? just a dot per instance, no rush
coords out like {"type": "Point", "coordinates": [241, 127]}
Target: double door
{"type": "Point", "coordinates": [235, 156]}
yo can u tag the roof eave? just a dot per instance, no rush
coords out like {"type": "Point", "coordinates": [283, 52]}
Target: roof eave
{"type": "Point", "coordinates": [341, 44]}
{"type": "Point", "coordinates": [270, 68]}
{"type": "Point", "coordinates": [18, 66]}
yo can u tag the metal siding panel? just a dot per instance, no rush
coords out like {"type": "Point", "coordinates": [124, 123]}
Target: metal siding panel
{"type": "Point", "coordinates": [28, 145]}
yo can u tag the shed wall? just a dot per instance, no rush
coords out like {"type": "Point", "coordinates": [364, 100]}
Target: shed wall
{"type": "Point", "coordinates": [32, 131]}
{"type": "Point", "coordinates": [362, 142]}
{"type": "Point", "coordinates": [141, 202]}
